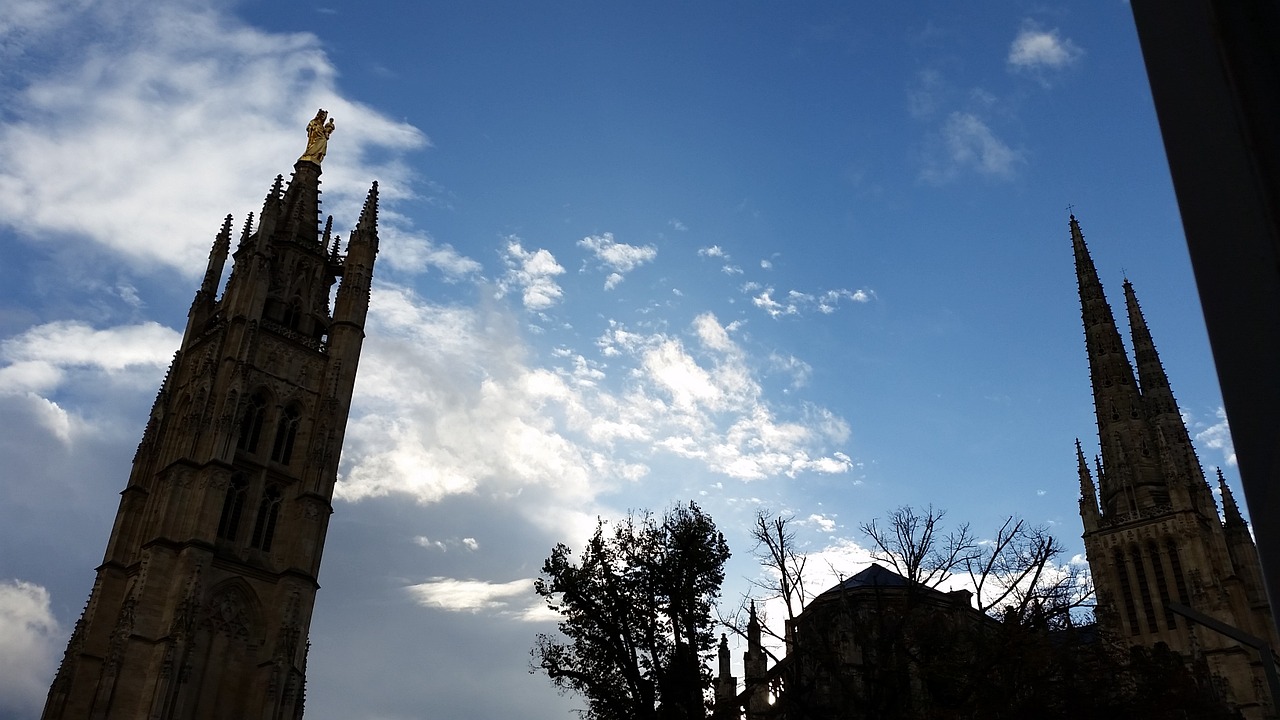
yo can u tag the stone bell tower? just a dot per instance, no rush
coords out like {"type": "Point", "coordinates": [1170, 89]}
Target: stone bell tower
{"type": "Point", "coordinates": [202, 604]}
{"type": "Point", "coordinates": [1152, 531]}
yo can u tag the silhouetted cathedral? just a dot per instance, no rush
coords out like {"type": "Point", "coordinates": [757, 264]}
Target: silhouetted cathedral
{"type": "Point", "coordinates": [1151, 526]}
{"type": "Point", "coordinates": [202, 605]}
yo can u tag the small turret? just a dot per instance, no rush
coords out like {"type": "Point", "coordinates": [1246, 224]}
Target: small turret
{"type": "Point", "coordinates": [754, 669]}
{"type": "Point", "coordinates": [726, 686]}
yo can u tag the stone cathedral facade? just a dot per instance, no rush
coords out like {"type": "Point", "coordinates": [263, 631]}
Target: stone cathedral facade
{"type": "Point", "coordinates": [202, 604]}
{"type": "Point", "coordinates": [1152, 531]}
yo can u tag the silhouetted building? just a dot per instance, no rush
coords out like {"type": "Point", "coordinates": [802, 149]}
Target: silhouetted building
{"type": "Point", "coordinates": [202, 605]}
{"type": "Point", "coordinates": [1151, 526]}
{"type": "Point", "coordinates": [872, 646]}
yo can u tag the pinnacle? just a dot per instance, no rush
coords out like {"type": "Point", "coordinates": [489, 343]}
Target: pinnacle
{"type": "Point", "coordinates": [369, 213]}
{"type": "Point", "coordinates": [1230, 510]}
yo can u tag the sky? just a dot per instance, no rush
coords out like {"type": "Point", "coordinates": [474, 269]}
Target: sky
{"type": "Point", "coordinates": [810, 258]}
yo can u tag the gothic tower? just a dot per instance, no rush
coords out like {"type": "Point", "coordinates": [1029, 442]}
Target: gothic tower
{"type": "Point", "coordinates": [202, 604]}
{"type": "Point", "coordinates": [1152, 531]}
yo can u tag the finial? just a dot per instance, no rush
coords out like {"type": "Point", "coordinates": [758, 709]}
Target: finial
{"type": "Point", "coordinates": [1071, 210]}
{"type": "Point", "coordinates": [333, 254]}
{"type": "Point", "coordinates": [328, 228]}
{"type": "Point", "coordinates": [226, 227]}
{"type": "Point", "coordinates": [318, 133]}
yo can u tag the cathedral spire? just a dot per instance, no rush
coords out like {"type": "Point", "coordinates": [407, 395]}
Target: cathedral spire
{"type": "Point", "coordinates": [1088, 493]}
{"type": "Point", "coordinates": [217, 259]}
{"type": "Point", "coordinates": [1230, 510]}
{"type": "Point", "coordinates": [1122, 426]}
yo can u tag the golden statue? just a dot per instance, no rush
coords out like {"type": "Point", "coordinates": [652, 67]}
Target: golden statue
{"type": "Point", "coordinates": [318, 133]}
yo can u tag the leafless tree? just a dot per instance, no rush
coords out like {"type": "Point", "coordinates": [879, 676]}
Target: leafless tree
{"type": "Point", "coordinates": [776, 550]}
{"type": "Point", "coordinates": [912, 542]}
{"type": "Point", "coordinates": [1018, 571]}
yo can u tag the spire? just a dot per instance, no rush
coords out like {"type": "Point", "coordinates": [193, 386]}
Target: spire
{"type": "Point", "coordinates": [244, 234]}
{"type": "Point", "coordinates": [724, 657]}
{"type": "Point", "coordinates": [328, 231]}
{"type": "Point", "coordinates": [1151, 376]}
{"type": "Point", "coordinates": [273, 195]}
{"type": "Point", "coordinates": [217, 259]}
{"type": "Point", "coordinates": [1116, 399]}
{"type": "Point", "coordinates": [1230, 511]}
{"type": "Point", "coordinates": [1088, 493]}
{"type": "Point", "coordinates": [369, 213]}
{"type": "Point", "coordinates": [300, 209]}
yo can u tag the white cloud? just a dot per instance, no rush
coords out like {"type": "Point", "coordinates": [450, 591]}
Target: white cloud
{"type": "Point", "coordinates": [184, 113]}
{"type": "Point", "coordinates": [447, 404]}
{"type": "Point", "coordinates": [533, 273]}
{"type": "Point", "coordinates": [966, 143]}
{"type": "Point", "coordinates": [1038, 49]}
{"type": "Point", "coordinates": [677, 225]}
{"type": "Point", "coordinates": [514, 598]}
{"type": "Point", "coordinates": [29, 640]}
{"type": "Point", "coordinates": [796, 302]}
{"type": "Point", "coordinates": [621, 258]}
{"type": "Point", "coordinates": [715, 251]}
{"type": "Point", "coordinates": [39, 358]}
{"type": "Point", "coordinates": [822, 522]}
{"type": "Point", "coordinates": [1217, 436]}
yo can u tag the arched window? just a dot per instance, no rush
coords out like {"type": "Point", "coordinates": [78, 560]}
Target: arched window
{"type": "Point", "coordinates": [1144, 589]}
{"type": "Point", "coordinates": [286, 433]}
{"type": "Point", "coordinates": [232, 507]}
{"type": "Point", "coordinates": [1126, 592]}
{"type": "Point", "coordinates": [293, 313]}
{"type": "Point", "coordinates": [255, 413]}
{"type": "Point", "coordinates": [264, 529]}
{"type": "Point", "coordinates": [1162, 584]}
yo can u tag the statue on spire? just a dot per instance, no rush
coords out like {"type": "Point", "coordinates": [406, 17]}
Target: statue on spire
{"type": "Point", "coordinates": [318, 132]}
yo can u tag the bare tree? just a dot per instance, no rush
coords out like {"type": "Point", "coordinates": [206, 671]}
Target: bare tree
{"type": "Point", "coordinates": [776, 550]}
{"type": "Point", "coordinates": [913, 544]}
{"type": "Point", "coordinates": [1018, 572]}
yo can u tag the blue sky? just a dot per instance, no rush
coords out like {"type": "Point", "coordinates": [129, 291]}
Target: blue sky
{"type": "Point", "coordinates": [798, 256]}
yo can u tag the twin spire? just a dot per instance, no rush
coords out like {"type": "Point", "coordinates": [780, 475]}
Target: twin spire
{"type": "Point", "coordinates": [1147, 458]}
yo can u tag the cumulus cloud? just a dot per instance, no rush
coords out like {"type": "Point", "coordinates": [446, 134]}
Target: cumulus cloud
{"type": "Point", "coordinates": [621, 258]}
{"type": "Point", "coordinates": [29, 640]}
{"type": "Point", "coordinates": [167, 116]}
{"type": "Point", "coordinates": [533, 273]}
{"type": "Point", "coordinates": [1036, 49]}
{"type": "Point", "coordinates": [967, 143]}
{"type": "Point", "coordinates": [448, 404]}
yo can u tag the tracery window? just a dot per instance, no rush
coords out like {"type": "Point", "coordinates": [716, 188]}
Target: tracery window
{"type": "Point", "coordinates": [232, 507]}
{"type": "Point", "coordinates": [264, 528]}
{"type": "Point", "coordinates": [286, 434]}
{"type": "Point", "coordinates": [255, 413]}
{"type": "Point", "coordinates": [1126, 592]}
